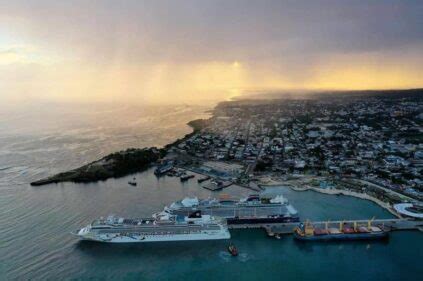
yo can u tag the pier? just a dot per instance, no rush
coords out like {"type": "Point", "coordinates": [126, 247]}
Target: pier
{"type": "Point", "coordinates": [288, 228]}
{"type": "Point", "coordinates": [213, 186]}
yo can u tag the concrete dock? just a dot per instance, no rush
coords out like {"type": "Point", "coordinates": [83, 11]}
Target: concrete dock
{"type": "Point", "coordinates": [288, 228]}
{"type": "Point", "coordinates": [213, 186]}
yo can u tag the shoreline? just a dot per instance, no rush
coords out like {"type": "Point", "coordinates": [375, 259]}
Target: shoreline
{"type": "Point", "coordinates": [121, 163]}
{"type": "Point", "coordinates": [348, 193]}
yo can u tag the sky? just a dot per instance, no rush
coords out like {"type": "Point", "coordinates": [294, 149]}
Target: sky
{"type": "Point", "coordinates": [165, 52]}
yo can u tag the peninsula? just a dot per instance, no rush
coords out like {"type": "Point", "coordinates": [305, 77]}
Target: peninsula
{"type": "Point", "coordinates": [113, 165]}
{"type": "Point", "coordinates": [120, 163]}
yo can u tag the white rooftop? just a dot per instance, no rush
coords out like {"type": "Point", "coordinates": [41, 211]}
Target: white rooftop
{"type": "Point", "coordinates": [402, 209]}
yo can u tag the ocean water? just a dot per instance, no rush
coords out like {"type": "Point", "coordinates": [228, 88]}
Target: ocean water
{"type": "Point", "coordinates": [35, 222]}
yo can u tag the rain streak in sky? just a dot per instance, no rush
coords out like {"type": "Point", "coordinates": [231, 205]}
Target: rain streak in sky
{"type": "Point", "coordinates": [163, 52]}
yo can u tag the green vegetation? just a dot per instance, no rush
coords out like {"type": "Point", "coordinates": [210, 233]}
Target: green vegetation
{"type": "Point", "coordinates": [121, 163]}
{"type": "Point", "coordinates": [117, 164]}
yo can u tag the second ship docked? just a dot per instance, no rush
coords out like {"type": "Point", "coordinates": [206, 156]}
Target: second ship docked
{"type": "Point", "coordinates": [254, 209]}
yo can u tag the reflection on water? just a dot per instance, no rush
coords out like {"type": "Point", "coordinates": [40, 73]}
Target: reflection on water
{"type": "Point", "coordinates": [38, 142]}
{"type": "Point", "coordinates": [309, 246]}
{"type": "Point", "coordinates": [148, 250]}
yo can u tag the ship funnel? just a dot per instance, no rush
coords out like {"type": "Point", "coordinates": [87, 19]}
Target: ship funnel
{"type": "Point", "coordinates": [196, 214]}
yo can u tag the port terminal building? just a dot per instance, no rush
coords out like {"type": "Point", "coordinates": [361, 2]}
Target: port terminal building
{"type": "Point", "coordinates": [410, 210]}
{"type": "Point", "coordinates": [221, 169]}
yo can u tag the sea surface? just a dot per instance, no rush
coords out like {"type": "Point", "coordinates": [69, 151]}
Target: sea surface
{"type": "Point", "coordinates": [35, 222]}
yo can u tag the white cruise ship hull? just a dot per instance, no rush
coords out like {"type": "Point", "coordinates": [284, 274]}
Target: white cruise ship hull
{"type": "Point", "coordinates": [128, 238]}
{"type": "Point", "coordinates": [164, 228]}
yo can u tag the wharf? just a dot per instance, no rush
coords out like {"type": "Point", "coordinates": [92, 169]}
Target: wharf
{"type": "Point", "coordinates": [213, 186]}
{"type": "Point", "coordinates": [288, 228]}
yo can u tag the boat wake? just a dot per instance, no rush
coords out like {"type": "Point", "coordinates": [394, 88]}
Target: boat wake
{"type": "Point", "coordinates": [244, 257]}
{"type": "Point", "coordinates": [227, 257]}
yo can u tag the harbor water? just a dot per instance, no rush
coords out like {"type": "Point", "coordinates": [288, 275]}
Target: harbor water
{"type": "Point", "coordinates": [35, 222]}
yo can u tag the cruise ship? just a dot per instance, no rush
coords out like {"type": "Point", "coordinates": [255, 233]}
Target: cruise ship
{"type": "Point", "coordinates": [254, 209]}
{"type": "Point", "coordinates": [161, 228]}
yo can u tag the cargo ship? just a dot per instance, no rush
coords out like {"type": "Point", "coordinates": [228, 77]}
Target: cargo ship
{"type": "Point", "coordinates": [307, 232]}
{"type": "Point", "coordinates": [254, 209]}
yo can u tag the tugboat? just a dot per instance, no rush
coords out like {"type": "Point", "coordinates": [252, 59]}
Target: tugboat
{"type": "Point", "coordinates": [232, 250]}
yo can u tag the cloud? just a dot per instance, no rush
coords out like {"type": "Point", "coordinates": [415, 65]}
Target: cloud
{"type": "Point", "coordinates": [184, 50]}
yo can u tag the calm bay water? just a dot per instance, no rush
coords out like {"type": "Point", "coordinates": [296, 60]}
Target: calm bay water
{"type": "Point", "coordinates": [35, 222]}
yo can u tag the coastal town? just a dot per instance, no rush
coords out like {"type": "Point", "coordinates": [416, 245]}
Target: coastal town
{"type": "Point", "coordinates": [366, 144]}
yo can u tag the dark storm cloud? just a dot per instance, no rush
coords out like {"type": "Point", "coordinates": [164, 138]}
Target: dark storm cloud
{"type": "Point", "coordinates": [221, 30]}
{"type": "Point", "coordinates": [190, 50]}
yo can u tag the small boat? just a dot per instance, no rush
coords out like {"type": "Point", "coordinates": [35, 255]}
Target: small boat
{"type": "Point", "coordinates": [163, 168]}
{"type": "Point", "coordinates": [232, 250]}
{"type": "Point", "coordinates": [171, 173]}
{"type": "Point", "coordinates": [203, 179]}
{"type": "Point", "coordinates": [133, 182]}
{"type": "Point", "coordinates": [186, 177]}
